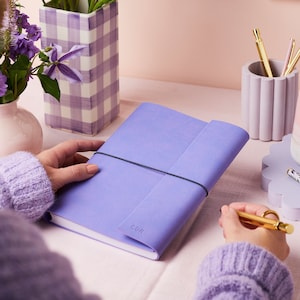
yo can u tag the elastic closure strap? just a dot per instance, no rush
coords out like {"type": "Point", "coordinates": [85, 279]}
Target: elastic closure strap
{"type": "Point", "coordinates": [154, 169]}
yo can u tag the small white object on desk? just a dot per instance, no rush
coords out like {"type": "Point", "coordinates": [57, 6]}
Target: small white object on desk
{"type": "Point", "coordinates": [283, 191]}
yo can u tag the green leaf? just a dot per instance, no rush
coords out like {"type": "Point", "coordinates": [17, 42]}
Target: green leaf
{"type": "Point", "coordinates": [50, 86]}
{"type": "Point", "coordinates": [69, 5]}
{"type": "Point", "coordinates": [8, 97]}
{"type": "Point", "coordinates": [97, 4]}
{"type": "Point", "coordinates": [18, 75]}
{"type": "Point", "coordinates": [72, 5]}
{"type": "Point", "coordinates": [43, 57]}
{"type": "Point", "coordinates": [94, 5]}
{"type": "Point", "coordinates": [22, 63]}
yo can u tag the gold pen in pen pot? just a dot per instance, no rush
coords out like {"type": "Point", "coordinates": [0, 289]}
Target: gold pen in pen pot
{"type": "Point", "coordinates": [290, 61]}
{"type": "Point", "coordinates": [293, 63]}
{"type": "Point", "coordinates": [262, 52]}
{"type": "Point", "coordinates": [268, 223]}
{"type": "Point", "coordinates": [269, 92]}
{"type": "Point", "coordinates": [289, 57]}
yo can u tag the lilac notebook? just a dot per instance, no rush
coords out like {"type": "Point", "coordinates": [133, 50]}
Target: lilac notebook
{"type": "Point", "coordinates": [156, 169]}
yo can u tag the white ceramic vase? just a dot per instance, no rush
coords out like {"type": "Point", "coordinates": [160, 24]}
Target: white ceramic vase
{"type": "Point", "coordinates": [19, 130]}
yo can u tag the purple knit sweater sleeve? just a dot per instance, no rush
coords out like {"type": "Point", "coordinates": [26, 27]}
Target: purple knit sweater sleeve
{"type": "Point", "coordinates": [243, 271]}
{"type": "Point", "coordinates": [24, 185]}
{"type": "Point", "coordinates": [29, 270]}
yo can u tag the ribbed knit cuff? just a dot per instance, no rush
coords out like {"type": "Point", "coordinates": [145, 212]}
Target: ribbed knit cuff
{"type": "Point", "coordinates": [246, 270]}
{"type": "Point", "coordinates": [24, 185]}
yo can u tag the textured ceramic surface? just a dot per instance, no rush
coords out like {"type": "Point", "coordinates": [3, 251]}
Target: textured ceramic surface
{"type": "Point", "coordinates": [268, 104]}
{"type": "Point", "coordinates": [20, 130]}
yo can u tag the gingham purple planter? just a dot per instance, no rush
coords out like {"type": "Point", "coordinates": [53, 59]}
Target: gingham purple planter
{"type": "Point", "coordinates": [89, 106]}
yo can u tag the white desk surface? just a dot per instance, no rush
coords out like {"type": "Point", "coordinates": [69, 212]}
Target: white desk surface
{"type": "Point", "coordinates": [115, 274]}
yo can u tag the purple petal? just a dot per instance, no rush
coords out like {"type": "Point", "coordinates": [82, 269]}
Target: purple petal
{"type": "Point", "coordinates": [54, 54]}
{"type": "Point", "coordinates": [74, 52]}
{"type": "Point", "coordinates": [3, 85]}
{"type": "Point", "coordinates": [50, 71]}
{"type": "Point", "coordinates": [71, 74]}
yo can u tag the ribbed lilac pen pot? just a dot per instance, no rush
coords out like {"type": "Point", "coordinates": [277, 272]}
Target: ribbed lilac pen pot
{"type": "Point", "coordinates": [88, 106]}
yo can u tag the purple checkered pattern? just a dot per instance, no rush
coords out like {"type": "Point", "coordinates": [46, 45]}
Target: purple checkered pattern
{"type": "Point", "coordinates": [89, 106]}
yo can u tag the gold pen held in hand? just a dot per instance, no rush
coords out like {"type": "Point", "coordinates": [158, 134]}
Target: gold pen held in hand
{"type": "Point", "coordinates": [268, 223]}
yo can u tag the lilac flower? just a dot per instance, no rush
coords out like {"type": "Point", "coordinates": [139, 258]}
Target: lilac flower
{"type": "Point", "coordinates": [19, 55]}
{"type": "Point", "coordinates": [22, 19]}
{"type": "Point", "coordinates": [3, 85]}
{"type": "Point", "coordinates": [56, 63]}
{"type": "Point", "coordinates": [22, 46]}
{"type": "Point", "coordinates": [34, 32]}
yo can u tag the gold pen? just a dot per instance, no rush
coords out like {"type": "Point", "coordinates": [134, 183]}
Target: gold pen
{"type": "Point", "coordinates": [289, 56]}
{"type": "Point", "coordinates": [292, 51]}
{"type": "Point", "coordinates": [265, 222]}
{"type": "Point", "coordinates": [293, 63]}
{"type": "Point", "coordinates": [262, 52]}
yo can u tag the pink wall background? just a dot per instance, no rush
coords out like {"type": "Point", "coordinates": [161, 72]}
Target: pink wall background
{"type": "Point", "coordinates": [202, 42]}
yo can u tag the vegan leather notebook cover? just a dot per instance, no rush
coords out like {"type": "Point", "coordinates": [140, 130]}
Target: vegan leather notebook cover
{"type": "Point", "coordinates": [155, 171]}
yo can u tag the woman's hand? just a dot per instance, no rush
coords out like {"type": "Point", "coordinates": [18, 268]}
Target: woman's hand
{"type": "Point", "coordinates": [64, 165]}
{"type": "Point", "coordinates": [234, 231]}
